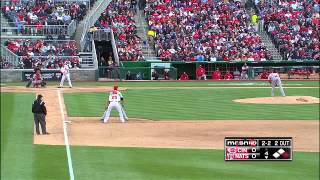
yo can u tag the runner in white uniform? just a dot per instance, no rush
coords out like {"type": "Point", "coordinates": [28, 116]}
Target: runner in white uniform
{"type": "Point", "coordinates": [65, 70]}
{"type": "Point", "coordinates": [114, 102]}
{"type": "Point", "coordinates": [274, 80]}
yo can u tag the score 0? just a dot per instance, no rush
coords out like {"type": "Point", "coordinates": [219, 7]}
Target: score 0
{"type": "Point", "coordinates": [253, 151]}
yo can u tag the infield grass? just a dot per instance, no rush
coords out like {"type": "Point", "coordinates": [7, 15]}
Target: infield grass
{"type": "Point", "coordinates": [195, 104]}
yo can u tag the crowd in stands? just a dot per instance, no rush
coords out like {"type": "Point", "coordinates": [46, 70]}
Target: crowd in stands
{"type": "Point", "coordinates": [50, 62]}
{"type": "Point", "coordinates": [23, 47]}
{"type": "Point", "coordinates": [43, 12]}
{"type": "Point", "coordinates": [119, 16]}
{"type": "Point", "coordinates": [47, 54]}
{"type": "Point", "coordinates": [204, 30]}
{"type": "Point", "coordinates": [6, 64]}
{"type": "Point", "coordinates": [293, 25]}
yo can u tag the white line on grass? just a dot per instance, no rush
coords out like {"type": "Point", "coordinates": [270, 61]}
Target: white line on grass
{"type": "Point", "coordinates": [66, 140]}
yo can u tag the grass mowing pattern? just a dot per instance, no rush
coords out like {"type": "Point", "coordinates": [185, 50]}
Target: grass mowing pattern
{"type": "Point", "coordinates": [176, 164]}
{"type": "Point", "coordinates": [20, 159]}
{"type": "Point", "coordinates": [195, 104]}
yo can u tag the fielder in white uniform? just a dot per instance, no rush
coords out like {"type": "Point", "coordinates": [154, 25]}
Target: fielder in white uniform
{"type": "Point", "coordinates": [65, 70]}
{"type": "Point", "coordinates": [274, 80]}
{"type": "Point", "coordinates": [115, 97]}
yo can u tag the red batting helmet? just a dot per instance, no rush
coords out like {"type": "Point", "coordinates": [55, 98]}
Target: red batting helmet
{"type": "Point", "coordinates": [115, 88]}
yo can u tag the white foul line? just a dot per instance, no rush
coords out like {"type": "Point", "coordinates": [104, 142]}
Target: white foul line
{"type": "Point", "coordinates": [66, 140]}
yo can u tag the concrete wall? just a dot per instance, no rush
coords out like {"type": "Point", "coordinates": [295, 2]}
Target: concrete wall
{"type": "Point", "coordinates": [76, 75]}
{"type": "Point", "coordinates": [11, 75]}
{"type": "Point", "coordinates": [83, 75]}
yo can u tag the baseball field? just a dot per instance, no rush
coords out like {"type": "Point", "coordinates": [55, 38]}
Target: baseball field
{"type": "Point", "coordinates": [175, 131]}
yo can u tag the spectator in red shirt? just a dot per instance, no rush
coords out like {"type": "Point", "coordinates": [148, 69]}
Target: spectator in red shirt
{"type": "Point", "coordinates": [216, 75]}
{"type": "Point", "coordinates": [184, 76]}
{"type": "Point", "coordinates": [201, 73]}
{"type": "Point", "coordinates": [228, 76]}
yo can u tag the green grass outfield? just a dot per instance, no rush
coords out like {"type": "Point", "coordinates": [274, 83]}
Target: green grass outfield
{"type": "Point", "coordinates": [21, 160]}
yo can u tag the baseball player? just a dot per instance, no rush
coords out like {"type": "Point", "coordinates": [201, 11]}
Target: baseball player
{"type": "Point", "coordinates": [37, 79]}
{"type": "Point", "coordinates": [244, 72]}
{"type": "Point", "coordinates": [274, 80]}
{"type": "Point", "coordinates": [65, 70]}
{"type": "Point", "coordinates": [115, 97]}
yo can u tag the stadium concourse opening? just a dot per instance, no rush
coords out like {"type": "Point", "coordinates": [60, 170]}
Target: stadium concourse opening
{"type": "Point", "coordinates": [104, 53]}
{"type": "Point", "coordinates": [204, 134]}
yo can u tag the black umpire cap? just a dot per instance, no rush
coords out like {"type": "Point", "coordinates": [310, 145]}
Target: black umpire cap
{"type": "Point", "coordinates": [39, 96]}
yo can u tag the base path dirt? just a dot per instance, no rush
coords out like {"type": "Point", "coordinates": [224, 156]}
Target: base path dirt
{"type": "Point", "coordinates": [280, 100]}
{"type": "Point", "coordinates": [89, 131]}
{"type": "Point", "coordinates": [188, 134]}
{"type": "Point", "coordinates": [53, 118]}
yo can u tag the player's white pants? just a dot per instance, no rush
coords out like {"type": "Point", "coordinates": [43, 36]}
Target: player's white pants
{"type": "Point", "coordinates": [274, 83]}
{"type": "Point", "coordinates": [203, 76]}
{"type": "Point", "coordinates": [123, 112]}
{"type": "Point", "coordinates": [112, 105]}
{"type": "Point", "coordinates": [244, 76]}
{"type": "Point", "coordinates": [63, 78]}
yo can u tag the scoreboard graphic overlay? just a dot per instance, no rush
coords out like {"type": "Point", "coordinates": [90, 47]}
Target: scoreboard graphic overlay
{"type": "Point", "coordinates": [258, 148]}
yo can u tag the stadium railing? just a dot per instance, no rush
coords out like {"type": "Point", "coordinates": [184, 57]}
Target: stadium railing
{"type": "Point", "coordinates": [94, 56]}
{"type": "Point", "coordinates": [91, 19]}
{"type": "Point", "coordinates": [78, 1]}
{"type": "Point", "coordinates": [31, 30]}
{"type": "Point", "coordinates": [9, 56]}
{"type": "Point", "coordinates": [102, 35]}
{"type": "Point", "coordinates": [88, 60]}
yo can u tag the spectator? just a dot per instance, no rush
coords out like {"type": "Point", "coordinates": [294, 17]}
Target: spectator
{"type": "Point", "coordinates": [110, 61]}
{"type": "Point", "coordinates": [293, 27]}
{"type": "Point", "coordinates": [201, 73]}
{"type": "Point", "coordinates": [119, 16]}
{"type": "Point", "coordinates": [45, 53]}
{"type": "Point", "coordinates": [41, 13]}
{"type": "Point", "coordinates": [211, 30]}
{"type": "Point", "coordinates": [228, 76]}
{"type": "Point", "coordinates": [184, 76]}
{"type": "Point", "coordinates": [128, 76]}
{"type": "Point", "coordinates": [155, 75]}
{"type": "Point", "coordinates": [216, 75]}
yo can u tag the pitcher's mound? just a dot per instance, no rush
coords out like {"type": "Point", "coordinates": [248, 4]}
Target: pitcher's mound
{"type": "Point", "coordinates": [280, 100]}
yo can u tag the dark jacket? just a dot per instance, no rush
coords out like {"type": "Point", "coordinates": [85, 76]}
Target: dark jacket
{"type": "Point", "coordinates": [39, 107]}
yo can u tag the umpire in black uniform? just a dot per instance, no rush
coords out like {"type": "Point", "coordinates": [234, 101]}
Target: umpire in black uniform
{"type": "Point", "coordinates": [39, 112]}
